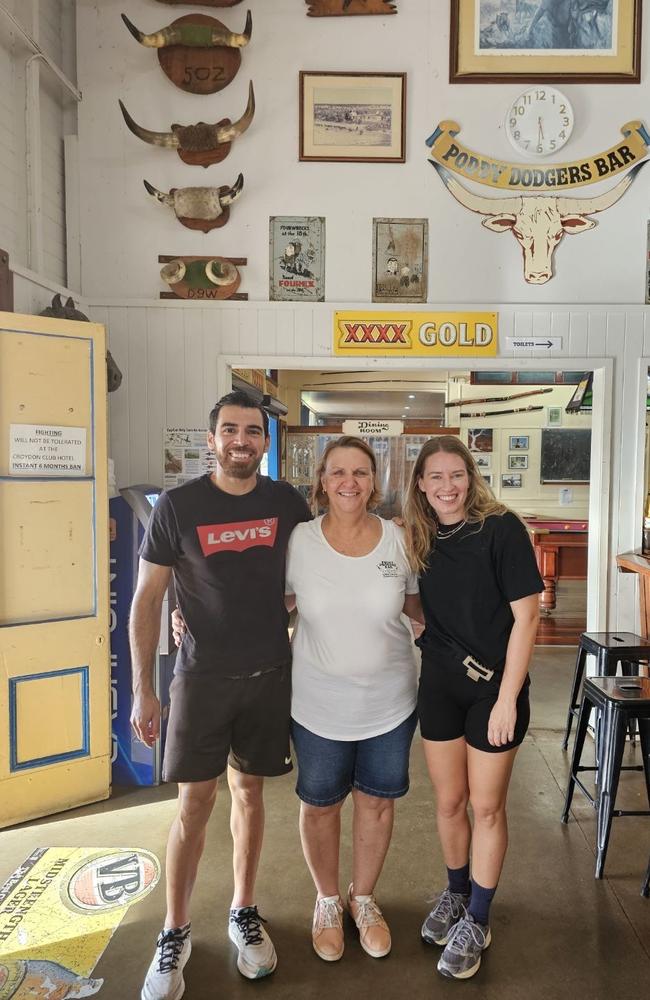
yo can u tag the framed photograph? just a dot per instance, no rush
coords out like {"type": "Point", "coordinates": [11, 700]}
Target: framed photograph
{"type": "Point", "coordinates": [296, 258]}
{"type": "Point", "coordinates": [554, 416]}
{"type": "Point", "coordinates": [511, 480]}
{"type": "Point", "coordinates": [487, 476]}
{"type": "Point", "coordinates": [519, 442]}
{"type": "Point", "coordinates": [353, 117]}
{"type": "Point", "coordinates": [400, 260]}
{"type": "Point", "coordinates": [480, 439]}
{"type": "Point", "coordinates": [484, 461]}
{"type": "Point", "coordinates": [517, 461]}
{"type": "Point", "coordinates": [545, 41]}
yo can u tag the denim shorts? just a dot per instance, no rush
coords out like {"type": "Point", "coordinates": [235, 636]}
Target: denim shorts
{"type": "Point", "coordinates": [329, 769]}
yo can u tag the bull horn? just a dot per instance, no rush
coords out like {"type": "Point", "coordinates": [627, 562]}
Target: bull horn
{"type": "Point", "coordinates": [229, 132]}
{"type": "Point", "coordinates": [475, 202]}
{"type": "Point", "coordinates": [588, 206]}
{"type": "Point", "coordinates": [220, 271]}
{"type": "Point", "coordinates": [193, 35]}
{"type": "Point", "coordinates": [234, 192]}
{"type": "Point", "coordinates": [166, 139]}
{"type": "Point", "coordinates": [173, 272]}
{"type": "Point", "coordinates": [161, 196]}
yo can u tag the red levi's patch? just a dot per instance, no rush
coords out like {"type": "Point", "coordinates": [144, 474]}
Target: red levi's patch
{"type": "Point", "coordinates": [238, 536]}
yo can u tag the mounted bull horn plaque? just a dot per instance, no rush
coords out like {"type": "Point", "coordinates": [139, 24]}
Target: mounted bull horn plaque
{"type": "Point", "coordinates": [198, 53]}
{"type": "Point", "coordinates": [200, 144]}
{"type": "Point", "coordinates": [215, 278]}
{"type": "Point", "coordinates": [203, 208]}
{"type": "Point", "coordinates": [340, 8]}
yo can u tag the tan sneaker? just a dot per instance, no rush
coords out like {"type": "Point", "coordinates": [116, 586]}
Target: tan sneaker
{"type": "Point", "coordinates": [327, 929]}
{"type": "Point", "coordinates": [374, 934]}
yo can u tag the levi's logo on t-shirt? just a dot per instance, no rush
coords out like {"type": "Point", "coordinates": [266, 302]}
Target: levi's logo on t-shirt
{"type": "Point", "coordinates": [238, 536]}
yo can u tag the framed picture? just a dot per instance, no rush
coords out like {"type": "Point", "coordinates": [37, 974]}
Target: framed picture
{"type": "Point", "coordinates": [511, 480]}
{"type": "Point", "coordinates": [554, 416]}
{"type": "Point", "coordinates": [296, 258]}
{"type": "Point", "coordinates": [353, 117]}
{"type": "Point", "coordinates": [519, 442]}
{"type": "Point", "coordinates": [487, 476]}
{"type": "Point", "coordinates": [480, 439]}
{"type": "Point", "coordinates": [545, 40]}
{"type": "Point", "coordinates": [517, 461]}
{"type": "Point", "coordinates": [484, 461]}
{"type": "Point", "coordinates": [400, 260]}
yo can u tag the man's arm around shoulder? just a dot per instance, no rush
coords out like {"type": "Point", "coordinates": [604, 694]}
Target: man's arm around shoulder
{"type": "Point", "coordinates": [144, 633]}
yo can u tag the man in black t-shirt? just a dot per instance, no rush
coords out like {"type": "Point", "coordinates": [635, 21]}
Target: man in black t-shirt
{"type": "Point", "coordinates": [224, 537]}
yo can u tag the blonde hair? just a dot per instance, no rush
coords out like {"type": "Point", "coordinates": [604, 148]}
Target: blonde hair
{"type": "Point", "coordinates": [319, 498]}
{"type": "Point", "coordinates": [420, 521]}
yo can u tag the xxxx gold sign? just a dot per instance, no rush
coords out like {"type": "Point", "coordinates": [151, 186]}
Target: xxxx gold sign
{"type": "Point", "coordinates": [449, 152]}
{"type": "Point", "coordinates": [415, 334]}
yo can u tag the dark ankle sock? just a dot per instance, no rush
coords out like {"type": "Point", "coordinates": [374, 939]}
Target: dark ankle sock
{"type": "Point", "coordinates": [479, 903]}
{"type": "Point", "coordinates": [458, 879]}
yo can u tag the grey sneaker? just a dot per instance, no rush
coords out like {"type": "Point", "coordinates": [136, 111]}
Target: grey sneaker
{"type": "Point", "coordinates": [447, 910]}
{"type": "Point", "coordinates": [462, 955]}
{"type": "Point", "coordinates": [164, 980]}
{"type": "Point", "coordinates": [257, 956]}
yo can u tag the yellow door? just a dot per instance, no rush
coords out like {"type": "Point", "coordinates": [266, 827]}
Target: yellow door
{"type": "Point", "coordinates": [54, 650]}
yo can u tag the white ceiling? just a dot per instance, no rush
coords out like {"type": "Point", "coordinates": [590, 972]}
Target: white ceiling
{"type": "Point", "coordinates": [343, 404]}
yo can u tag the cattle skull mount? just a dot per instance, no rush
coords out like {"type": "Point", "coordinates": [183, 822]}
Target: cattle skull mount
{"type": "Point", "coordinates": [203, 208]}
{"type": "Point", "coordinates": [198, 53]}
{"type": "Point", "coordinates": [200, 144]}
{"type": "Point", "coordinates": [211, 278]}
{"type": "Point", "coordinates": [339, 8]}
{"type": "Point", "coordinates": [60, 310]}
{"type": "Point", "coordinates": [538, 222]}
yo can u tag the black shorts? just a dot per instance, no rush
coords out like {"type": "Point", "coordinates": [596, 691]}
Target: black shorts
{"type": "Point", "coordinates": [451, 704]}
{"type": "Point", "coordinates": [242, 721]}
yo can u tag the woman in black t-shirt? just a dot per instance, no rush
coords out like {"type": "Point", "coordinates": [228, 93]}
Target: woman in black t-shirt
{"type": "Point", "coordinates": [479, 584]}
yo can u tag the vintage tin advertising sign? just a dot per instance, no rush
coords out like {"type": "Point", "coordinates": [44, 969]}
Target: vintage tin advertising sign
{"type": "Point", "coordinates": [296, 258]}
{"type": "Point", "coordinates": [415, 334]}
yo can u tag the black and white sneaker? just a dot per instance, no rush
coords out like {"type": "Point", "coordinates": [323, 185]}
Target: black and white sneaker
{"type": "Point", "coordinates": [164, 980]}
{"type": "Point", "coordinates": [257, 956]}
{"type": "Point", "coordinates": [462, 955]}
{"type": "Point", "coordinates": [447, 910]}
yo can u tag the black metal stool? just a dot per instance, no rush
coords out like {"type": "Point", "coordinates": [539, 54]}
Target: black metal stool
{"type": "Point", "coordinates": [618, 699]}
{"type": "Point", "coordinates": [610, 649]}
{"type": "Point", "coordinates": [645, 888]}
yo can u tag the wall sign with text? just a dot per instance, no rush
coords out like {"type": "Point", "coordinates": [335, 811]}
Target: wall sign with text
{"type": "Point", "coordinates": [416, 334]}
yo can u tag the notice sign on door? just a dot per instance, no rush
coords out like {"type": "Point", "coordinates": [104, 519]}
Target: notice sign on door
{"type": "Point", "coordinates": [45, 450]}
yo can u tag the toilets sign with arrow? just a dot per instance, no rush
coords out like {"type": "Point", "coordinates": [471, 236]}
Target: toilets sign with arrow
{"type": "Point", "coordinates": [533, 343]}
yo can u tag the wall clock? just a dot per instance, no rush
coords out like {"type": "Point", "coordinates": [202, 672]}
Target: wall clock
{"type": "Point", "coordinates": [540, 121]}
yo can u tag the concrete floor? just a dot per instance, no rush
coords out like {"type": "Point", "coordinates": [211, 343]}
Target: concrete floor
{"type": "Point", "coordinates": [557, 932]}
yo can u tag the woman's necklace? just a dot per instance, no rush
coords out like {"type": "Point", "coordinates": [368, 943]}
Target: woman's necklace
{"type": "Point", "coordinates": [453, 531]}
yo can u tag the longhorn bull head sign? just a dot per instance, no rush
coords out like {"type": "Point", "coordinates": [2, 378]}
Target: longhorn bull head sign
{"type": "Point", "coordinates": [202, 208]}
{"type": "Point", "coordinates": [199, 144]}
{"type": "Point", "coordinates": [198, 53]}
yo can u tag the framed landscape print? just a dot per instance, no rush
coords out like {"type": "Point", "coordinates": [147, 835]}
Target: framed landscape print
{"type": "Point", "coordinates": [296, 258]}
{"type": "Point", "coordinates": [532, 41]}
{"type": "Point", "coordinates": [517, 461]}
{"type": "Point", "coordinates": [511, 481]}
{"type": "Point", "coordinates": [400, 259]}
{"type": "Point", "coordinates": [353, 117]}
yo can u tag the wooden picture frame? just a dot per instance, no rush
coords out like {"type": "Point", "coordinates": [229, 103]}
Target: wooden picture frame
{"type": "Point", "coordinates": [511, 46]}
{"type": "Point", "coordinates": [400, 260]}
{"type": "Point", "coordinates": [352, 117]}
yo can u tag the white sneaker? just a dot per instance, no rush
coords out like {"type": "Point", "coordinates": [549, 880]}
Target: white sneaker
{"type": "Point", "coordinates": [257, 956]}
{"type": "Point", "coordinates": [164, 980]}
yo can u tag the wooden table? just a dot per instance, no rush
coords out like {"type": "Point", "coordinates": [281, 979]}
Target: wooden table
{"type": "Point", "coordinates": [634, 562]}
{"type": "Point", "coordinates": [561, 553]}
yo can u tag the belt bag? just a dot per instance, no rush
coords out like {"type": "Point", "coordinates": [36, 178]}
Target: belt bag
{"type": "Point", "coordinates": [476, 671]}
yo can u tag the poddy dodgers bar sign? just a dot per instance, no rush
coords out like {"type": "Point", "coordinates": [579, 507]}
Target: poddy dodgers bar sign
{"type": "Point", "coordinates": [416, 334]}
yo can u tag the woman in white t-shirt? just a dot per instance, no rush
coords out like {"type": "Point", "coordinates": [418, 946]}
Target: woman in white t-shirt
{"type": "Point", "coordinates": [354, 687]}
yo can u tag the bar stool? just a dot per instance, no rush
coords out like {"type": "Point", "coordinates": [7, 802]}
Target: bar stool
{"type": "Point", "coordinates": [645, 888]}
{"type": "Point", "coordinates": [610, 649]}
{"type": "Point", "coordinates": [618, 699]}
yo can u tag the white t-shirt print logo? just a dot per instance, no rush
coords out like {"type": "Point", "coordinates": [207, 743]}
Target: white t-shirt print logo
{"type": "Point", "coordinates": [387, 568]}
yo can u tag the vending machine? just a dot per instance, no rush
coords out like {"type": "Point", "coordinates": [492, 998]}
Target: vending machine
{"type": "Point", "coordinates": [133, 762]}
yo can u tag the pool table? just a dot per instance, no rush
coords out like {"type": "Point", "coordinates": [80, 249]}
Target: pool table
{"type": "Point", "coordinates": [561, 552]}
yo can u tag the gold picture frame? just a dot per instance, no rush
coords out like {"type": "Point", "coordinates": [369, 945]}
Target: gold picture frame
{"type": "Point", "coordinates": [516, 46]}
{"type": "Point", "coordinates": [352, 117]}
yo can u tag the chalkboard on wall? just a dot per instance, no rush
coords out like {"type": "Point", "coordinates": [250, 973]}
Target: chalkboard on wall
{"type": "Point", "coordinates": [565, 456]}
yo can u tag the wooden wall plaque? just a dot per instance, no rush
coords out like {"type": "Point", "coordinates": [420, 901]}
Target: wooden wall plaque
{"type": "Point", "coordinates": [344, 8]}
{"type": "Point", "coordinates": [196, 286]}
{"type": "Point", "coordinates": [200, 70]}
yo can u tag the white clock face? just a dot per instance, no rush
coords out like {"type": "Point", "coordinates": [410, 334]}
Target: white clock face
{"type": "Point", "coordinates": [540, 121]}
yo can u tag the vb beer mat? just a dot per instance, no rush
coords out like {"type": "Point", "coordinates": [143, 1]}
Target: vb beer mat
{"type": "Point", "coordinates": [58, 912]}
